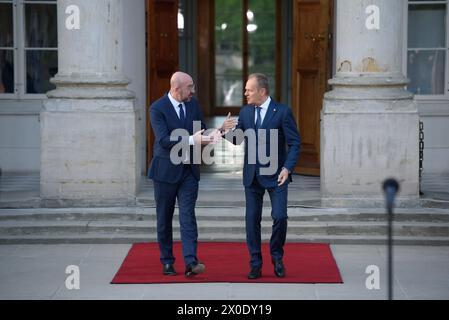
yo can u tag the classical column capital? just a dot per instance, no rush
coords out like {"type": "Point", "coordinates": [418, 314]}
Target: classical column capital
{"type": "Point", "coordinates": [369, 37]}
{"type": "Point", "coordinates": [369, 51]}
{"type": "Point", "coordinates": [368, 88]}
{"type": "Point", "coordinates": [90, 55]}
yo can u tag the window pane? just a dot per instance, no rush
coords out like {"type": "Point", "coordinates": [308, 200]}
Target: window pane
{"type": "Point", "coordinates": [262, 39]}
{"type": "Point", "coordinates": [181, 18]}
{"type": "Point", "coordinates": [229, 90]}
{"type": "Point", "coordinates": [228, 53]}
{"type": "Point", "coordinates": [41, 66]}
{"type": "Point", "coordinates": [40, 26]}
{"type": "Point", "coordinates": [427, 26]}
{"type": "Point", "coordinates": [426, 71]}
{"type": "Point", "coordinates": [6, 71]}
{"type": "Point", "coordinates": [6, 25]}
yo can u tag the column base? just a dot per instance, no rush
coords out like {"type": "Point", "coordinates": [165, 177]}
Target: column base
{"type": "Point", "coordinates": [89, 152]}
{"type": "Point", "coordinates": [365, 142]}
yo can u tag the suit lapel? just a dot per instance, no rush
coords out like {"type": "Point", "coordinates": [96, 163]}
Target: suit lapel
{"type": "Point", "coordinates": [269, 115]}
{"type": "Point", "coordinates": [189, 115]}
{"type": "Point", "coordinates": [252, 115]}
{"type": "Point", "coordinates": [172, 112]}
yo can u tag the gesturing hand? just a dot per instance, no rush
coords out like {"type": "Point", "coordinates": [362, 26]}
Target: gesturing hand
{"type": "Point", "coordinates": [197, 137]}
{"type": "Point", "coordinates": [283, 176]}
{"type": "Point", "coordinates": [215, 136]}
{"type": "Point", "coordinates": [228, 124]}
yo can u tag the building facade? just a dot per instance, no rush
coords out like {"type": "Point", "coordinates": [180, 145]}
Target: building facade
{"type": "Point", "coordinates": [86, 131]}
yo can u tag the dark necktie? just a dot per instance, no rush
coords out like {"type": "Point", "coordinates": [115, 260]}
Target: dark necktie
{"type": "Point", "coordinates": [182, 115]}
{"type": "Point", "coordinates": [258, 124]}
{"type": "Point", "coordinates": [259, 118]}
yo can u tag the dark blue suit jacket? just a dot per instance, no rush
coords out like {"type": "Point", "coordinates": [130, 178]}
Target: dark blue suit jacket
{"type": "Point", "coordinates": [280, 117]}
{"type": "Point", "coordinates": [164, 120]}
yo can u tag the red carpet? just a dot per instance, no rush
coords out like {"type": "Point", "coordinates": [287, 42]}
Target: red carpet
{"type": "Point", "coordinates": [228, 262]}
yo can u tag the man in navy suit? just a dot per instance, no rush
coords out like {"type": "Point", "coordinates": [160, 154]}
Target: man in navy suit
{"type": "Point", "coordinates": [174, 179]}
{"type": "Point", "coordinates": [276, 132]}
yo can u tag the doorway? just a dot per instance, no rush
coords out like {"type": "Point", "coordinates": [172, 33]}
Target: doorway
{"type": "Point", "coordinates": [220, 42]}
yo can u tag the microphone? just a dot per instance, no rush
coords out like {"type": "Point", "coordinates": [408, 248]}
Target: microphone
{"type": "Point", "coordinates": [391, 188]}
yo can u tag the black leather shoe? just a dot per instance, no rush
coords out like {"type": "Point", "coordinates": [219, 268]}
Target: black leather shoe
{"type": "Point", "coordinates": [194, 268]}
{"type": "Point", "coordinates": [168, 270]}
{"type": "Point", "coordinates": [279, 269]}
{"type": "Point", "coordinates": [255, 273]}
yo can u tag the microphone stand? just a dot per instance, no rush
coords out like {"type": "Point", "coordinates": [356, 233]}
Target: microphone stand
{"type": "Point", "coordinates": [390, 187]}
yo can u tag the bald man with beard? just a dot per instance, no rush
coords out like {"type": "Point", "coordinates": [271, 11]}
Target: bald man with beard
{"type": "Point", "coordinates": [178, 109]}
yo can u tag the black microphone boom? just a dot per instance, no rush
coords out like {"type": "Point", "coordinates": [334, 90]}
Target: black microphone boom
{"type": "Point", "coordinates": [390, 187]}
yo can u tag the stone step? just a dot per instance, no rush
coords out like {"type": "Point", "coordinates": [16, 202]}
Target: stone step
{"type": "Point", "coordinates": [42, 227]}
{"type": "Point", "coordinates": [208, 198]}
{"type": "Point", "coordinates": [113, 238]}
{"type": "Point", "coordinates": [425, 226]}
{"type": "Point", "coordinates": [36, 202]}
{"type": "Point", "coordinates": [220, 214]}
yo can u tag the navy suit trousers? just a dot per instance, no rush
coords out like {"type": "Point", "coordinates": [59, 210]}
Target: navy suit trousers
{"type": "Point", "coordinates": [254, 203]}
{"type": "Point", "coordinates": [186, 191]}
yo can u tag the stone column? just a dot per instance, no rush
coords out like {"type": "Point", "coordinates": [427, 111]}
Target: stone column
{"type": "Point", "coordinates": [88, 123]}
{"type": "Point", "coordinates": [370, 123]}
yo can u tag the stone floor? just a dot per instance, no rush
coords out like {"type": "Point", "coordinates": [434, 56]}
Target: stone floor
{"type": "Point", "coordinates": [39, 272]}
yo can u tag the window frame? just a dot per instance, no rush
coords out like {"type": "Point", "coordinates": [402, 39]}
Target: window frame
{"type": "Point", "coordinates": [14, 49]}
{"type": "Point", "coordinates": [20, 51]}
{"type": "Point", "coordinates": [445, 95]}
{"type": "Point", "coordinates": [245, 54]}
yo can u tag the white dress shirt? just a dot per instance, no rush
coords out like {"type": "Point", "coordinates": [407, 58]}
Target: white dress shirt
{"type": "Point", "coordinates": [263, 111]}
{"type": "Point", "coordinates": [176, 104]}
